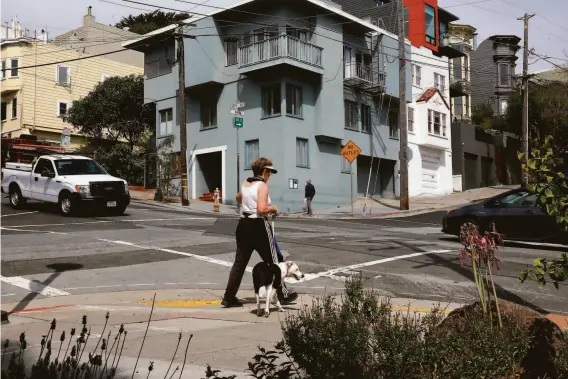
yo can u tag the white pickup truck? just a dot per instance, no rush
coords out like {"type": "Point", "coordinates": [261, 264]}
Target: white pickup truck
{"type": "Point", "coordinates": [69, 181]}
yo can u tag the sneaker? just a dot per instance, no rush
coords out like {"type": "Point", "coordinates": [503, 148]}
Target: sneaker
{"type": "Point", "coordinates": [231, 303]}
{"type": "Point", "coordinates": [292, 296]}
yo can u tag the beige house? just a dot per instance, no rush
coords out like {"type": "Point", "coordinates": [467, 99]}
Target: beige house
{"type": "Point", "coordinates": [41, 79]}
{"type": "Point", "coordinates": [462, 37]}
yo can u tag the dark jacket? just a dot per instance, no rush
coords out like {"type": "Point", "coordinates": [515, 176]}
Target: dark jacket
{"type": "Point", "coordinates": [310, 191]}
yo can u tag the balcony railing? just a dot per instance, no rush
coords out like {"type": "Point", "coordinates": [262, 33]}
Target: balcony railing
{"type": "Point", "coordinates": [361, 75]}
{"type": "Point", "coordinates": [459, 87]}
{"type": "Point", "coordinates": [280, 47]}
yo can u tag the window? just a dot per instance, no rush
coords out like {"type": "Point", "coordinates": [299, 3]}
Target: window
{"type": "Point", "coordinates": [302, 152]}
{"type": "Point", "coordinates": [393, 125]}
{"type": "Point", "coordinates": [504, 75]}
{"type": "Point", "coordinates": [14, 64]}
{"type": "Point", "coordinates": [3, 69]}
{"type": "Point", "coordinates": [209, 112]}
{"type": "Point", "coordinates": [457, 68]}
{"type": "Point", "coordinates": [231, 51]}
{"type": "Point", "coordinates": [345, 165]}
{"type": "Point", "coordinates": [166, 122]}
{"type": "Point", "coordinates": [410, 124]}
{"type": "Point", "coordinates": [466, 68]}
{"type": "Point", "coordinates": [251, 153]}
{"type": "Point", "coordinates": [43, 164]}
{"type": "Point", "coordinates": [430, 25]}
{"type": "Point", "coordinates": [297, 33]}
{"type": "Point", "coordinates": [503, 106]}
{"type": "Point", "coordinates": [265, 33]}
{"type": "Point", "coordinates": [63, 75]}
{"type": "Point", "coordinates": [4, 106]}
{"type": "Point", "coordinates": [365, 118]}
{"type": "Point", "coordinates": [440, 82]}
{"type": "Point", "coordinates": [14, 108]}
{"type": "Point", "coordinates": [350, 115]}
{"type": "Point", "coordinates": [466, 106]}
{"type": "Point", "coordinates": [436, 123]}
{"type": "Point", "coordinates": [458, 106]}
{"type": "Point", "coordinates": [159, 61]}
{"type": "Point", "coordinates": [293, 100]}
{"type": "Point", "coordinates": [271, 100]}
{"type": "Point", "coordinates": [62, 107]}
{"type": "Point", "coordinates": [416, 75]}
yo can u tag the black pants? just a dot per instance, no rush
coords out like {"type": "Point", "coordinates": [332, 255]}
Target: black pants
{"type": "Point", "coordinates": [252, 234]}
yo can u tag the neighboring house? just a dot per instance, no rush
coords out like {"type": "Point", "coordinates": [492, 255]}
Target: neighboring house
{"type": "Point", "coordinates": [35, 98]}
{"type": "Point", "coordinates": [429, 137]}
{"type": "Point", "coordinates": [312, 77]}
{"type": "Point", "coordinates": [551, 75]}
{"type": "Point", "coordinates": [95, 38]}
{"type": "Point", "coordinates": [493, 63]}
{"type": "Point", "coordinates": [463, 37]}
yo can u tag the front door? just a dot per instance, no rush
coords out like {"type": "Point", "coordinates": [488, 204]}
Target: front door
{"type": "Point", "coordinates": [40, 183]}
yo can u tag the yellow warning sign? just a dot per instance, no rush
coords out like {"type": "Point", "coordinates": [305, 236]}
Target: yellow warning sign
{"type": "Point", "coordinates": [350, 151]}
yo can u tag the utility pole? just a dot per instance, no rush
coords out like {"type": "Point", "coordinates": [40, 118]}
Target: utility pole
{"type": "Point", "coordinates": [179, 36]}
{"type": "Point", "coordinates": [403, 154]}
{"type": "Point", "coordinates": [525, 115]}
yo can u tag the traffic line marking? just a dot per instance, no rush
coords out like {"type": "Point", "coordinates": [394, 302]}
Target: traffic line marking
{"type": "Point", "coordinates": [32, 286]}
{"type": "Point", "coordinates": [17, 214]}
{"type": "Point", "coordinates": [111, 221]}
{"type": "Point", "coordinates": [41, 309]}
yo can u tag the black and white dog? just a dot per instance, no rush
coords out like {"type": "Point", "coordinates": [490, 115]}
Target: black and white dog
{"type": "Point", "coordinates": [267, 278]}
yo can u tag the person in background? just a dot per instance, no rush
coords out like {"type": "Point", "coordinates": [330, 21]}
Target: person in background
{"type": "Point", "coordinates": [254, 232]}
{"type": "Point", "coordinates": [310, 192]}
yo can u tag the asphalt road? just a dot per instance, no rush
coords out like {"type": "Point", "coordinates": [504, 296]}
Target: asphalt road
{"type": "Point", "coordinates": [151, 247]}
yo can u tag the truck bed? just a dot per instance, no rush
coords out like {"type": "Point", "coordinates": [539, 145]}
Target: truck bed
{"type": "Point", "coordinates": [19, 166]}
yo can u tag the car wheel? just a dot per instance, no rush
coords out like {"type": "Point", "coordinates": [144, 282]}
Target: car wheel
{"type": "Point", "coordinates": [66, 206]}
{"type": "Point", "coordinates": [17, 201]}
{"type": "Point", "coordinates": [118, 211]}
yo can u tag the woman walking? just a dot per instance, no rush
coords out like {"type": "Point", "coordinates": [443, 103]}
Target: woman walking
{"type": "Point", "coordinates": [254, 231]}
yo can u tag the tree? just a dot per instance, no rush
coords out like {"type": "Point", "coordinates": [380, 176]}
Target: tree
{"type": "Point", "coordinates": [548, 113]}
{"type": "Point", "coordinates": [147, 22]}
{"type": "Point", "coordinates": [166, 169]}
{"type": "Point", "coordinates": [114, 111]}
{"type": "Point", "coordinates": [482, 115]}
{"type": "Point", "coordinates": [551, 184]}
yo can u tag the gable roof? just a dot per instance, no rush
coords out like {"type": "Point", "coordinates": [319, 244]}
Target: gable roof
{"type": "Point", "coordinates": [429, 94]}
{"type": "Point", "coordinates": [319, 3]}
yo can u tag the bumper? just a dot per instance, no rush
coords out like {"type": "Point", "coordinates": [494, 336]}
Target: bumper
{"type": "Point", "coordinates": [121, 200]}
{"type": "Point", "coordinates": [450, 226]}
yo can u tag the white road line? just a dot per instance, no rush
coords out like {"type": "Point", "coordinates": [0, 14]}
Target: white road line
{"type": "Point", "coordinates": [17, 214]}
{"type": "Point", "coordinates": [111, 221]}
{"type": "Point", "coordinates": [9, 294]}
{"type": "Point", "coordinates": [83, 288]}
{"type": "Point", "coordinates": [198, 257]}
{"type": "Point", "coordinates": [30, 231]}
{"type": "Point", "coordinates": [329, 273]}
{"type": "Point", "coordinates": [36, 287]}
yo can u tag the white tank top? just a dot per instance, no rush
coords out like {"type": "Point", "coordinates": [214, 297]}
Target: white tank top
{"type": "Point", "coordinates": [250, 200]}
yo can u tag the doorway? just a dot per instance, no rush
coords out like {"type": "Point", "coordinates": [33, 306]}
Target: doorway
{"type": "Point", "coordinates": [207, 172]}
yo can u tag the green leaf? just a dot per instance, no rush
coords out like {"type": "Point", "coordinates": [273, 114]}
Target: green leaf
{"type": "Point", "coordinates": [531, 188]}
{"type": "Point", "coordinates": [531, 164]}
{"type": "Point", "coordinates": [561, 175]}
{"type": "Point", "coordinates": [549, 179]}
{"type": "Point", "coordinates": [523, 275]}
{"type": "Point", "coordinates": [548, 193]}
{"type": "Point", "coordinates": [538, 262]}
{"type": "Point", "coordinates": [520, 156]}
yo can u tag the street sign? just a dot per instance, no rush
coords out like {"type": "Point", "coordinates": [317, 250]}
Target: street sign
{"type": "Point", "coordinates": [350, 151]}
{"type": "Point", "coordinates": [238, 122]}
{"type": "Point", "coordinates": [65, 140]}
{"type": "Point", "coordinates": [240, 104]}
{"type": "Point", "coordinates": [237, 112]}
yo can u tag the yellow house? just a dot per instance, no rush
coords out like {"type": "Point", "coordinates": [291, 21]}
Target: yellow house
{"type": "Point", "coordinates": [40, 81]}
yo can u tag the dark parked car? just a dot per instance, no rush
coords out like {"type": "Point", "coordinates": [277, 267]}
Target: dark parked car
{"type": "Point", "coordinates": [515, 214]}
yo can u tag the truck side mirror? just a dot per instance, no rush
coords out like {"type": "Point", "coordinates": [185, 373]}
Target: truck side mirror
{"type": "Point", "coordinates": [47, 174]}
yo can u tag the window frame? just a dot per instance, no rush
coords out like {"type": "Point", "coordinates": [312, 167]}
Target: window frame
{"type": "Point", "coordinates": [431, 39]}
{"type": "Point", "coordinates": [306, 152]}
{"type": "Point", "coordinates": [165, 111]}
{"type": "Point", "coordinates": [17, 59]}
{"type": "Point", "coordinates": [395, 127]}
{"type": "Point", "coordinates": [297, 91]}
{"type": "Point", "coordinates": [228, 42]}
{"type": "Point", "coordinates": [410, 120]}
{"type": "Point", "coordinates": [209, 103]}
{"type": "Point", "coordinates": [59, 102]}
{"type": "Point", "coordinates": [441, 124]}
{"type": "Point", "coordinates": [500, 77]}
{"type": "Point", "coordinates": [352, 107]}
{"type": "Point", "coordinates": [39, 164]}
{"type": "Point", "coordinates": [247, 165]}
{"type": "Point", "coordinates": [417, 75]}
{"type": "Point", "coordinates": [14, 108]}
{"type": "Point", "coordinates": [4, 104]}
{"type": "Point", "coordinates": [3, 77]}
{"type": "Point", "coordinates": [366, 118]}
{"type": "Point", "coordinates": [271, 90]}
{"type": "Point", "coordinates": [68, 75]}
{"type": "Point", "coordinates": [440, 82]}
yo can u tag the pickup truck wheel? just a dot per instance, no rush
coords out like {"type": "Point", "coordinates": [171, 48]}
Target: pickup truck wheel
{"type": "Point", "coordinates": [118, 211]}
{"type": "Point", "coordinates": [66, 206]}
{"type": "Point", "coordinates": [16, 199]}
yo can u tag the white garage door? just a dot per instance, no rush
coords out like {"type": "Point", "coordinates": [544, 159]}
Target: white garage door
{"type": "Point", "coordinates": [430, 167]}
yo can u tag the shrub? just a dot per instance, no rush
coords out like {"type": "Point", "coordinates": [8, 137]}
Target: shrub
{"type": "Point", "coordinates": [362, 337]}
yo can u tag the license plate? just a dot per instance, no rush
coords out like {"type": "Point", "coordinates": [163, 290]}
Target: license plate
{"type": "Point", "coordinates": [111, 204]}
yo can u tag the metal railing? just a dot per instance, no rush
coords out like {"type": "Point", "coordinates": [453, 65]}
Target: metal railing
{"type": "Point", "coordinates": [358, 71]}
{"type": "Point", "coordinates": [283, 46]}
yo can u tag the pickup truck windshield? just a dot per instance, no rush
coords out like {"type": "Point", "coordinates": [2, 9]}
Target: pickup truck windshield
{"type": "Point", "coordinates": [78, 167]}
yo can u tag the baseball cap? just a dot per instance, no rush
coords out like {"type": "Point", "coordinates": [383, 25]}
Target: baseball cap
{"type": "Point", "coordinates": [271, 169]}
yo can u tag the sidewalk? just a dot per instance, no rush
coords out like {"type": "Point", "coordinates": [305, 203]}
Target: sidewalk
{"type": "Point", "coordinates": [227, 339]}
{"type": "Point", "coordinates": [380, 207]}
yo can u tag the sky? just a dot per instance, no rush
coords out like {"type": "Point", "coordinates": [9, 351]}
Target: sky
{"type": "Point", "coordinates": [548, 31]}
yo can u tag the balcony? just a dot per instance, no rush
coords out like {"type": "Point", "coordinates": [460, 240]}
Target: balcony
{"type": "Point", "coordinates": [280, 50]}
{"type": "Point", "coordinates": [459, 87]}
{"type": "Point", "coordinates": [447, 49]}
{"type": "Point", "coordinates": [364, 77]}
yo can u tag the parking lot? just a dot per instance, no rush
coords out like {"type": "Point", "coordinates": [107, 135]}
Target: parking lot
{"type": "Point", "coordinates": [153, 247]}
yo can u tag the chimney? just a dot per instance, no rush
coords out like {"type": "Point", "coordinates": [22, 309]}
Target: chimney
{"type": "Point", "coordinates": [89, 18]}
{"type": "Point", "coordinates": [475, 41]}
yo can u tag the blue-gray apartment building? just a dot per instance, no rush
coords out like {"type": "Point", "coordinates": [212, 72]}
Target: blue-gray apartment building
{"type": "Point", "coordinates": [312, 77]}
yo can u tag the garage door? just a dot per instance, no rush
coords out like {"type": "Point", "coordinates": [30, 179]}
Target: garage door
{"type": "Point", "coordinates": [430, 166]}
